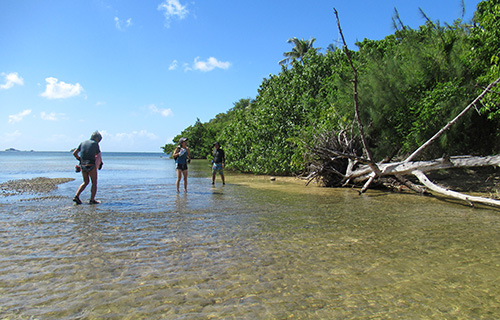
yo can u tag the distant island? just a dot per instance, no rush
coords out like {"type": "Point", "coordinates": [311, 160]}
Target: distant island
{"type": "Point", "coordinates": [14, 150]}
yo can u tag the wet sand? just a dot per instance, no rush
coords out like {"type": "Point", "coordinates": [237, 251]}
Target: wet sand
{"type": "Point", "coordinates": [29, 186]}
{"type": "Point", "coordinates": [481, 181]}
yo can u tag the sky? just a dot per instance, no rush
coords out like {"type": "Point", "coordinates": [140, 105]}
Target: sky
{"type": "Point", "coordinates": [142, 71]}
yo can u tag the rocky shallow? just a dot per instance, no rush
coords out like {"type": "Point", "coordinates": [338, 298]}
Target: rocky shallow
{"type": "Point", "coordinates": [31, 186]}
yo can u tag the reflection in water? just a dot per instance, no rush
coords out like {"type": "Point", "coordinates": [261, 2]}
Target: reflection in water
{"type": "Point", "coordinates": [253, 249]}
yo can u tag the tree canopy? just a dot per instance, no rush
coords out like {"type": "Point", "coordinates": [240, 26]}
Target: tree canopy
{"type": "Point", "coordinates": [298, 51]}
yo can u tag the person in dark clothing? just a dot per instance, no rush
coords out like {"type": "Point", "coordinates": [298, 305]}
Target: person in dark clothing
{"type": "Point", "coordinates": [218, 163]}
{"type": "Point", "coordinates": [89, 155]}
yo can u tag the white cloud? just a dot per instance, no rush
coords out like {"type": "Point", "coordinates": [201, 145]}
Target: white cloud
{"type": "Point", "coordinates": [51, 116]}
{"type": "Point", "coordinates": [210, 64]}
{"type": "Point", "coordinates": [128, 136]}
{"type": "Point", "coordinates": [10, 80]}
{"type": "Point", "coordinates": [163, 112]}
{"type": "Point", "coordinates": [18, 117]}
{"type": "Point", "coordinates": [173, 65]}
{"type": "Point", "coordinates": [172, 9]}
{"type": "Point", "coordinates": [12, 136]}
{"type": "Point", "coordinates": [119, 26]}
{"type": "Point", "coordinates": [60, 90]}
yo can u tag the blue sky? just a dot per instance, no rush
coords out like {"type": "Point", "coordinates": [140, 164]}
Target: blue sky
{"type": "Point", "coordinates": [142, 71]}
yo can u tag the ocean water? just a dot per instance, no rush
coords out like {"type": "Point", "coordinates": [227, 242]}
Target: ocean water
{"type": "Point", "coordinates": [128, 181]}
{"type": "Point", "coordinates": [252, 249]}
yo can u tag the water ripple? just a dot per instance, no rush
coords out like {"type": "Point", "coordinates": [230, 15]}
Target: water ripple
{"type": "Point", "coordinates": [245, 252]}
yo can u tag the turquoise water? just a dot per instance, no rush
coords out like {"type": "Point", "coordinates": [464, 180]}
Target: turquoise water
{"type": "Point", "coordinates": [252, 249]}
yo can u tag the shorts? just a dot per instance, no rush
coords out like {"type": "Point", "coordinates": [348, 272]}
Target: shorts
{"type": "Point", "coordinates": [217, 167]}
{"type": "Point", "coordinates": [87, 167]}
{"type": "Point", "coordinates": [181, 166]}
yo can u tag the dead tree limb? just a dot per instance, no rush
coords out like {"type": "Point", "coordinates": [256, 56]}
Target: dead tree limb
{"type": "Point", "coordinates": [410, 185]}
{"type": "Point", "coordinates": [363, 173]}
{"type": "Point", "coordinates": [399, 169]}
{"type": "Point", "coordinates": [372, 164]}
{"type": "Point", "coordinates": [457, 195]}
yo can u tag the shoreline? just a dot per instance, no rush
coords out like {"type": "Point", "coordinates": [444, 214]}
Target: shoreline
{"type": "Point", "coordinates": [480, 181]}
{"type": "Point", "coordinates": [483, 181]}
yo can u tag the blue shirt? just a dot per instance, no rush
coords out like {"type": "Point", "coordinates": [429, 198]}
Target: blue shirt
{"type": "Point", "coordinates": [182, 158]}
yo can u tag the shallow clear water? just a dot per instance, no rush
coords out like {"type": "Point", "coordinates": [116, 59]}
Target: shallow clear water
{"type": "Point", "coordinates": [253, 249]}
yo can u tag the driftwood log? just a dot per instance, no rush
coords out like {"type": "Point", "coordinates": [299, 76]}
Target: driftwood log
{"type": "Point", "coordinates": [339, 163]}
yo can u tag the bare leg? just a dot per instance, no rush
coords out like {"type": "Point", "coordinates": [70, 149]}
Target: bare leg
{"type": "Point", "coordinates": [82, 187]}
{"type": "Point", "coordinates": [85, 183]}
{"type": "Point", "coordinates": [179, 175]}
{"type": "Point", "coordinates": [93, 178]}
{"type": "Point", "coordinates": [223, 179]}
{"type": "Point", "coordinates": [185, 174]}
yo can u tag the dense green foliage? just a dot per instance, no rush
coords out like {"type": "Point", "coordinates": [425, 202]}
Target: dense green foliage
{"type": "Point", "coordinates": [410, 85]}
{"type": "Point", "coordinates": [485, 39]}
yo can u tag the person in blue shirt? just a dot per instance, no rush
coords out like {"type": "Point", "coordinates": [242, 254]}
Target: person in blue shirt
{"type": "Point", "coordinates": [182, 158]}
{"type": "Point", "coordinates": [89, 155]}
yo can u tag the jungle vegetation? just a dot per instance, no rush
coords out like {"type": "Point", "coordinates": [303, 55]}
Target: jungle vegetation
{"type": "Point", "coordinates": [410, 84]}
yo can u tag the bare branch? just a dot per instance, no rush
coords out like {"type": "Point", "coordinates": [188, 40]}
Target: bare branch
{"type": "Point", "coordinates": [372, 163]}
{"type": "Point", "coordinates": [457, 195]}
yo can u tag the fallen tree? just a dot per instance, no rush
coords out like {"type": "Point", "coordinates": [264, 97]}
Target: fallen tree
{"type": "Point", "coordinates": [337, 161]}
{"type": "Point", "coordinates": [337, 164]}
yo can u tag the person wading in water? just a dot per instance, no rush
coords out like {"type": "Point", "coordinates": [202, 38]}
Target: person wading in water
{"type": "Point", "coordinates": [89, 155]}
{"type": "Point", "coordinates": [218, 163]}
{"type": "Point", "coordinates": [182, 158]}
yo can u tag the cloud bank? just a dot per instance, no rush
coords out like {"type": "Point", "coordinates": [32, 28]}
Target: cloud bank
{"type": "Point", "coordinates": [11, 79]}
{"type": "Point", "coordinates": [52, 116]}
{"type": "Point", "coordinates": [129, 137]}
{"type": "Point", "coordinates": [173, 65]}
{"type": "Point", "coordinates": [162, 112]}
{"type": "Point", "coordinates": [120, 26]}
{"type": "Point", "coordinates": [203, 66]}
{"type": "Point", "coordinates": [18, 117]}
{"type": "Point", "coordinates": [210, 64]}
{"type": "Point", "coordinates": [56, 89]}
{"type": "Point", "coordinates": [172, 9]}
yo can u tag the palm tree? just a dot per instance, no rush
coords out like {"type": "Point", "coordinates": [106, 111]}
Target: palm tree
{"type": "Point", "coordinates": [299, 50]}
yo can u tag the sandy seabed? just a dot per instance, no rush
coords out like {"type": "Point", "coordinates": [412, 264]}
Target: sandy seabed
{"type": "Point", "coordinates": [35, 185]}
